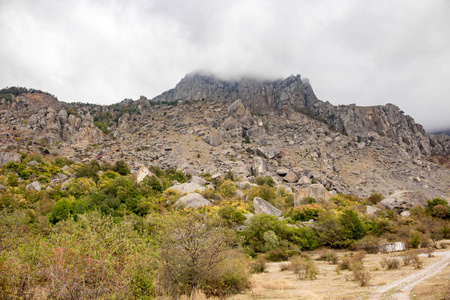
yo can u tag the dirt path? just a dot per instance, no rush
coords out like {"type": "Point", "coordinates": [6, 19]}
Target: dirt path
{"type": "Point", "coordinates": [404, 286]}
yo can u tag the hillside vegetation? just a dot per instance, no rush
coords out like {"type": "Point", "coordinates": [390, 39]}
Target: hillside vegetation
{"type": "Point", "coordinates": [89, 230]}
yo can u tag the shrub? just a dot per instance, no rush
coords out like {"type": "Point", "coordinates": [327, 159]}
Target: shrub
{"type": "Point", "coordinates": [390, 263]}
{"type": "Point", "coordinates": [280, 254]}
{"type": "Point", "coordinates": [227, 188]}
{"type": "Point", "coordinates": [369, 243]}
{"type": "Point", "coordinates": [232, 276]}
{"type": "Point", "coordinates": [329, 257]}
{"type": "Point", "coordinates": [121, 167]}
{"type": "Point", "coordinates": [305, 212]}
{"type": "Point", "coordinates": [231, 215]}
{"type": "Point", "coordinates": [375, 198]}
{"type": "Point", "coordinates": [415, 239]}
{"type": "Point", "coordinates": [303, 266]}
{"type": "Point", "coordinates": [284, 267]}
{"type": "Point", "coordinates": [259, 264]}
{"type": "Point", "coordinates": [362, 275]}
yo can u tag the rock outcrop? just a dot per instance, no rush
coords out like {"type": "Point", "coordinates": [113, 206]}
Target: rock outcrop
{"type": "Point", "coordinates": [6, 157]}
{"type": "Point", "coordinates": [316, 191]}
{"type": "Point", "coordinates": [403, 200]}
{"type": "Point", "coordinates": [293, 93]}
{"type": "Point", "coordinates": [263, 207]}
{"type": "Point", "coordinates": [192, 200]}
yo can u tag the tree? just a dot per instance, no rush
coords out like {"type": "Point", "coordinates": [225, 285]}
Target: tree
{"type": "Point", "coordinates": [190, 249]}
{"type": "Point", "coordinates": [121, 167]}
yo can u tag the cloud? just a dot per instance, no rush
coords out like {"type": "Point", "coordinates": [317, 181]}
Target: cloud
{"type": "Point", "coordinates": [364, 52]}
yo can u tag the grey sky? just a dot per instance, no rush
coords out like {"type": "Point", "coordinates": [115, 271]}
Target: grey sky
{"type": "Point", "coordinates": [363, 52]}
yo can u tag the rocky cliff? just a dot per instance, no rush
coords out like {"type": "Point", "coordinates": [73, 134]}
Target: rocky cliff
{"type": "Point", "coordinates": [294, 94]}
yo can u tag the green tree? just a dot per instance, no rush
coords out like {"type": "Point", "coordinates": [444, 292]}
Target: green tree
{"type": "Point", "coordinates": [121, 167]}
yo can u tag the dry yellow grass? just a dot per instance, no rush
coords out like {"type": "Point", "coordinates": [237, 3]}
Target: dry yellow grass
{"type": "Point", "coordinates": [434, 288]}
{"type": "Point", "coordinates": [330, 284]}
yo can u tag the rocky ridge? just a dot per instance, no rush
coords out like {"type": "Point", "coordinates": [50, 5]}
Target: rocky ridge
{"type": "Point", "coordinates": [278, 138]}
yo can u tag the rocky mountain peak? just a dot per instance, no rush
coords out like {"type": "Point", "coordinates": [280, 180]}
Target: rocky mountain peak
{"type": "Point", "coordinates": [281, 97]}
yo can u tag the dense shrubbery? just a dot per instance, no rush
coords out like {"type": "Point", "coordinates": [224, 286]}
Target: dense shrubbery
{"type": "Point", "coordinates": [94, 226]}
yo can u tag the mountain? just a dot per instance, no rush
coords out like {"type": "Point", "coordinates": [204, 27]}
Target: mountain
{"type": "Point", "coordinates": [293, 93]}
{"type": "Point", "coordinates": [247, 126]}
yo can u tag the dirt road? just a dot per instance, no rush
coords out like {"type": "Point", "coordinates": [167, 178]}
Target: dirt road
{"type": "Point", "coordinates": [402, 288]}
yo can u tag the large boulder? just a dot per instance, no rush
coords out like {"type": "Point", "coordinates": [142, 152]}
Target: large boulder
{"type": "Point", "coordinates": [193, 200]}
{"type": "Point", "coordinates": [259, 166]}
{"type": "Point", "coordinates": [268, 152]}
{"type": "Point", "coordinates": [291, 177]}
{"type": "Point", "coordinates": [188, 187]}
{"type": "Point", "coordinates": [214, 138]}
{"type": "Point", "coordinates": [34, 186]}
{"type": "Point", "coordinates": [263, 207]}
{"type": "Point", "coordinates": [403, 200]}
{"type": "Point", "coordinates": [316, 191]}
{"type": "Point", "coordinates": [142, 173]}
{"type": "Point", "coordinates": [236, 110]}
{"type": "Point", "coordinates": [9, 156]}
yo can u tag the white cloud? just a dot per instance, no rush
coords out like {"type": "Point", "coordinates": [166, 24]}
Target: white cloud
{"type": "Point", "coordinates": [364, 52]}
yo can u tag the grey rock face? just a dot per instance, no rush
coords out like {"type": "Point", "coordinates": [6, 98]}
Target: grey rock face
{"type": "Point", "coordinates": [268, 152]}
{"type": "Point", "coordinates": [403, 200]}
{"type": "Point", "coordinates": [291, 177]}
{"type": "Point", "coordinates": [192, 200]}
{"type": "Point", "coordinates": [214, 139]}
{"type": "Point", "coordinates": [316, 191]}
{"type": "Point", "coordinates": [259, 166]}
{"type": "Point", "coordinates": [263, 207]}
{"type": "Point", "coordinates": [371, 210]}
{"type": "Point", "coordinates": [188, 187]}
{"type": "Point", "coordinates": [364, 123]}
{"type": "Point", "coordinates": [35, 185]}
{"type": "Point", "coordinates": [9, 156]}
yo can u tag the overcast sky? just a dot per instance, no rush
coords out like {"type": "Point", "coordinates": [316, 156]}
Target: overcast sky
{"type": "Point", "coordinates": [363, 52]}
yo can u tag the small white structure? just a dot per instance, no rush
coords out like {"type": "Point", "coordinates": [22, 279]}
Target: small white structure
{"type": "Point", "coordinates": [392, 247]}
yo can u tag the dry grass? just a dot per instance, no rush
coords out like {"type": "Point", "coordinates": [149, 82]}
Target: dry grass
{"type": "Point", "coordinates": [330, 283]}
{"type": "Point", "coordinates": [436, 287]}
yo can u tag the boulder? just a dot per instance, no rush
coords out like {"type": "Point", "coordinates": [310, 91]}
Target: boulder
{"type": "Point", "coordinates": [236, 110]}
{"type": "Point", "coordinates": [304, 180]}
{"type": "Point", "coordinates": [6, 157]}
{"type": "Point", "coordinates": [214, 138]}
{"type": "Point", "coordinates": [193, 200]}
{"type": "Point", "coordinates": [371, 210]}
{"type": "Point", "coordinates": [268, 152]}
{"type": "Point", "coordinates": [188, 187]}
{"type": "Point", "coordinates": [282, 171]}
{"type": "Point", "coordinates": [198, 180]}
{"type": "Point", "coordinates": [263, 207]}
{"type": "Point", "coordinates": [142, 173]}
{"type": "Point", "coordinates": [291, 177]}
{"type": "Point", "coordinates": [35, 186]}
{"type": "Point", "coordinates": [401, 201]}
{"type": "Point", "coordinates": [316, 191]}
{"type": "Point", "coordinates": [259, 166]}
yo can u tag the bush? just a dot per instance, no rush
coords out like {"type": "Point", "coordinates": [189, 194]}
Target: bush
{"type": "Point", "coordinates": [303, 266]}
{"type": "Point", "coordinates": [375, 198]}
{"type": "Point", "coordinates": [231, 215]}
{"type": "Point", "coordinates": [259, 264]}
{"type": "Point", "coordinates": [227, 188]}
{"type": "Point", "coordinates": [121, 167]}
{"type": "Point", "coordinates": [330, 257]}
{"type": "Point", "coordinates": [305, 212]}
{"type": "Point", "coordinates": [362, 275]}
{"type": "Point", "coordinates": [232, 276]}
{"type": "Point", "coordinates": [390, 263]}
